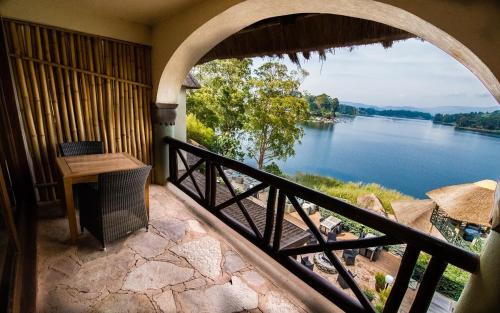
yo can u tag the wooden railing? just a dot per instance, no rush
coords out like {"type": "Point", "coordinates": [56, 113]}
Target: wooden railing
{"type": "Point", "coordinates": [211, 165]}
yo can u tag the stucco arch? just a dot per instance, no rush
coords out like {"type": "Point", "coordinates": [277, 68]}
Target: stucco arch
{"type": "Point", "coordinates": [173, 67]}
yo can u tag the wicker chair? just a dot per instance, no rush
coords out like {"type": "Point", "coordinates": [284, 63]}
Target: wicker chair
{"type": "Point", "coordinates": [117, 207]}
{"type": "Point", "coordinates": [81, 148]}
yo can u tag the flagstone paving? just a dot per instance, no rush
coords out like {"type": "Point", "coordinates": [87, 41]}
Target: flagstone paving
{"type": "Point", "coordinates": [180, 265]}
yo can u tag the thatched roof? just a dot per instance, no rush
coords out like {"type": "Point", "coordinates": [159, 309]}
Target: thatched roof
{"type": "Point", "coordinates": [416, 214]}
{"type": "Point", "coordinates": [466, 202]}
{"type": "Point", "coordinates": [304, 33]}
{"type": "Point", "coordinates": [371, 202]}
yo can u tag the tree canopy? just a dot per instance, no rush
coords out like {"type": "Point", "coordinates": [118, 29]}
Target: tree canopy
{"type": "Point", "coordinates": [261, 107]}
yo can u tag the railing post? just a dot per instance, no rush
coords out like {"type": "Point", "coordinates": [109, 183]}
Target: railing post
{"type": "Point", "coordinates": [173, 167]}
{"type": "Point", "coordinates": [280, 215]}
{"type": "Point", "coordinates": [210, 184]}
{"type": "Point", "coordinates": [271, 203]}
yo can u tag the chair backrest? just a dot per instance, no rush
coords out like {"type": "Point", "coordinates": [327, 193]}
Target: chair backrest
{"type": "Point", "coordinates": [123, 190]}
{"type": "Point", "coordinates": [81, 148]}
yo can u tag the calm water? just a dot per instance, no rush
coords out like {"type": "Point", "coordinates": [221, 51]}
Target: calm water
{"type": "Point", "coordinates": [412, 156]}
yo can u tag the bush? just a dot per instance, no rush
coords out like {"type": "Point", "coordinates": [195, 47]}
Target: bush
{"type": "Point", "coordinates": [200, 133]}
{"type": "Point", "coordinates": [379, 281]}
{"type": "Point", "coordinates": [452, 282]}
{"type": "Point", "coordinates": [369, 293]}
{"type": "Point", "coordinates": [273, 168]}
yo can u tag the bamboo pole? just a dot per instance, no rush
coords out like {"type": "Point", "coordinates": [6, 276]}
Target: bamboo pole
{"type": "Point", "coordinates": [76, 91]}
{"type": "Point", "coordinates": [136, 106]}
{"type": "Point", "coordinates": [85, 65]}
{"type": "Point", "coordinates": [118, 130]}
{"type": "Point", "coordinates": [62, 94]}
{"type": "Point", "coordinates": [109, 99]}
{"type": "Point", "coordinates": [83, 82]}
{"type": "Point", "coordinates": [53, 90]}
{"type": "Point", "coordinates": [93, 92]}
{"type": "Point", "coordinates": [67, 86]}
{"type": "Point", "coordinates": [123, 116]}
{"type": "Point", "coordinates": [38, 110]}
{"type": "Point", "coordinates": [49, 119]}
{"type": "Point", "coordinates": [25, 105]}
{"type": "Point", "coordinates": [100, 96]}
{"type": "Point", "coordinates": [129, 102]}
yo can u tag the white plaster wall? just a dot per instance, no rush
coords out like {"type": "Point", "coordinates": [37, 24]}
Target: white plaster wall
{"type": "Point", "coordinates": [70, 15]}
{"type": "Point", "coordinates": [180, 120]}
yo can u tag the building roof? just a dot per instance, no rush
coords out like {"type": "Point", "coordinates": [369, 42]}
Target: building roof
{"type": "Point", "coordinates": [466, 202]}
{"type": "Point", "coordinates": [191, 83]}
{"type": "Point", "coordinates": [305, 34]}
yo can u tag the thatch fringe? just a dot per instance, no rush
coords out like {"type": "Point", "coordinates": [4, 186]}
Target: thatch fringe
{"type": "Point", "coordinates": [306, 34]}
{"type": "Point", "coordinates": [75, 86]}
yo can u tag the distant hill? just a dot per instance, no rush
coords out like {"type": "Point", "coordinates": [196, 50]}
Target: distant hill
{"type": "Point", "coordinates": [433, 110]}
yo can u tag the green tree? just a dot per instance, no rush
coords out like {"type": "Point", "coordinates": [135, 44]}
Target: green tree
{"type": "Point", "coordinates": [275, 112]}
{"type": "Point", "coordinates": [221, 102]}
{"type": "Point", "coordinates": [200, 133]}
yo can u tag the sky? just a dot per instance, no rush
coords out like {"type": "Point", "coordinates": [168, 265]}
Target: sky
{"type": "Point", "coordinates": [410, 73]}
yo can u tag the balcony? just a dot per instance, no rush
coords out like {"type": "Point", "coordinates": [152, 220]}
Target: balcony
{"type": "Point", "coordinates": [232, 255]}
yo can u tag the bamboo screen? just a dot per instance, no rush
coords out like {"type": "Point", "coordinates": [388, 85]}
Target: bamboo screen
{"type": "Point", "coordinates": [74, 87]}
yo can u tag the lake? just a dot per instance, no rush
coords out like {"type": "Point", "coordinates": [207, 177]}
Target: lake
{"type": "Point", "coordinates": [412, 156]}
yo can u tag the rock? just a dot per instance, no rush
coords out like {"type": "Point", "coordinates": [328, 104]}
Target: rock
{"type": "Point", "coordinates": [196, 227]}
{"type": "Point", "coordinates": [103, 273]}
{"type": "Point", "coordinates": [233, 262]}
{"type": "Point", "coordinates": [255, 280]}
{"type": "Point", "coordinates": [65, 265]}
{"type": "Point", "coordinates": [371, 202]}
{"type": "Point", "coordinates": [147, 244]}
{"type": "Point", "coordinates": [156, 275]}
{"type": "Point", "coordinates": [64, 300]}
{"type": "Point", "coordinates": [166, 302]}
{"type": "Point", "coordinates": [233, 296]}
{"type": "Point", "coordinates": [276, 303]}
{"type": "Point", "coordinates": [170, 228]}
{"type": "Point", "coordinates": [124, 303]}
{"type": "Point", "coordinates": [203, 254]}
{"type": "Point", "coordinates": [195, 283]}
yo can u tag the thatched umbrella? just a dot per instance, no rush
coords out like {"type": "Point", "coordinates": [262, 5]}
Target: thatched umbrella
{"type": "Point", "coordinates": [416, 214]}
{"type": "Point", "coordinates": [470, 203]}
{"type": "Point", "coordinates": [371, 202]}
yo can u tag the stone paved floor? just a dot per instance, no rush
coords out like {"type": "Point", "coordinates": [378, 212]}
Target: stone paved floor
{"type": "Point", "coordinates": [180, 265]}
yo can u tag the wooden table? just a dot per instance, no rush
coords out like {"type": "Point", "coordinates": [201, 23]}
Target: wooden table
{"type": "Point", "coordinates": [85, 169]}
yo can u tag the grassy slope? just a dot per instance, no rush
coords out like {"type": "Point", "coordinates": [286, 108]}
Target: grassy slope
{"type": "Point", "coordinates": [350, 191]}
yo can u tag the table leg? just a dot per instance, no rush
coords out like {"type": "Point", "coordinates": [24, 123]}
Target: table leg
{"type": "Point", "coordinates": [146, 196]}
{"type": "Point", "coordinates": [70, 209]}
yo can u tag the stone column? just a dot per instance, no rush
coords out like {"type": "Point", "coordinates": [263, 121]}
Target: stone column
{"type": "Point", "coordinates": [482, 292]}
{"type": "Point", "coordinates": [163, 115]}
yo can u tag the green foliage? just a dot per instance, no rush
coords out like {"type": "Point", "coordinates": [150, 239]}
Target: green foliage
{"type": "Point", "coordinates": [200, 133]}
{"type": "Point", "coordinates": [273, 168]}
{"type": "Point", "coordinates": [276, 110]}
{"type": "Point", "coordinates": [347, 110]}
{"type": "Point", "coordinates": [451, 284]}
{"type": "Point", "coordinates": [379, 308]}
{"type": "Point", "coordinates": [379, 280]}
{"type": "Point", "coordinates": [477, 120]}
{"type": "Point", "coordinates": [350, 191]}
{"type": "Point", "coordinates": [322, 105]}
{"type": "Point", "coordinates": [369, 293]}
{"type": "Point", "coordinates": [222, 100]}
{"type": "Point", "coordinates": [395, 113]}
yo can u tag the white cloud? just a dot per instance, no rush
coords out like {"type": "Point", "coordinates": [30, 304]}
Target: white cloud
{"type": "Point", "coordinates": [410, 73]}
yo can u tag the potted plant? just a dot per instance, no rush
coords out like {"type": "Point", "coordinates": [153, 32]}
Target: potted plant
{"type": "Point", "coordinates": [379, 281]}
